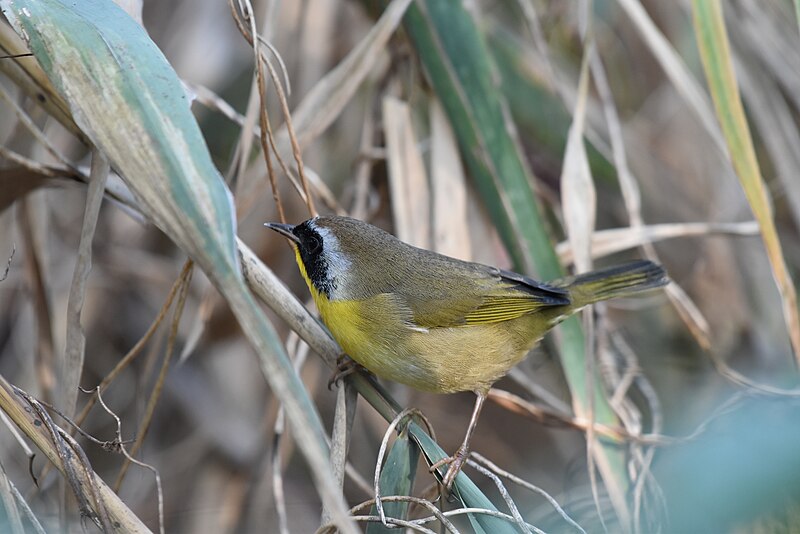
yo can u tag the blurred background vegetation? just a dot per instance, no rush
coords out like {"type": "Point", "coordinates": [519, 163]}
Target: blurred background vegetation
{"type": "Point", "coordinates": [424, 144]}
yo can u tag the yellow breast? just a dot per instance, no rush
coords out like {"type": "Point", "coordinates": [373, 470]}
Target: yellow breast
{"type": "Point", "coordinates": [376, 333]}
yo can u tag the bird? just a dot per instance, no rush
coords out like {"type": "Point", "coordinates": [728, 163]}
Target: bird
{"type": "Point", "coordinates": [436, 323]}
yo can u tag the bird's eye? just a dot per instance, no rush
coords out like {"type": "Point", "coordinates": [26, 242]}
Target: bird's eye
{"type": "Point", "coordinates": [314, 244]}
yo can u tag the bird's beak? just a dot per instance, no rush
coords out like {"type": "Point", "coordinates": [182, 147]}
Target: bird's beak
{"type": "Point", "coordinates": [285, 230]}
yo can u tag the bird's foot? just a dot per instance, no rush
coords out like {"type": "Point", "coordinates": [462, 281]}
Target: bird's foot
{"type": "Point", "coordinates": [345, 366]}
{"type": "Point", "coordinates": [455, 462]}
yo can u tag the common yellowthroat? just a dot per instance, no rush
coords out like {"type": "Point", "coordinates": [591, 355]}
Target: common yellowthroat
{"type": "Point", "coordinates": [433, 322]}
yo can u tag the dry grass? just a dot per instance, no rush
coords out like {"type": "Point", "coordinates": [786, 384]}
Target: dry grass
{"type": "Point", "coordinates": [697, 389]}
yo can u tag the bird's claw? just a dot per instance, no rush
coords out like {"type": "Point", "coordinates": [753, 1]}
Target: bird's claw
{"type": "Point", "coordinates": [345, 366]}
{"type": "Point", "coordinates": [456, 463]}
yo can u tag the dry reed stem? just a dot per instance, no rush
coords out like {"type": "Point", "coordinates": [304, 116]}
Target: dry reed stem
{"type": "Point", "coordinates": [266, 135]}
{"type": "Point", "coordinates": [155, 395]}
{"type": "Point", "coordinates": [278, 442]}
{"type": "Point", "coordinates": [74, 352]}
{"type": "Point", "coordinates": [33, 420]}
{"type": "Point", "coordinates": [390, 430]}
{"type": "Point", "coordinates": [131, 459]}
{"type": "Point", "coordinates": [344, 417]}
{"type": "Point", "coordinates": [686, 308]}
{"type": "Point", "coordinates": [45, 345]}
{"type": "Point", "coordinates": [137, 348]}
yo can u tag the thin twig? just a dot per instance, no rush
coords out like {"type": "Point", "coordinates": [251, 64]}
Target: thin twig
{"type": "Point", "coordinates": [44, 358]}
{"type": "Point", "coordinates": [408, 412]}
{"type": "Point", "coordinates": [155, 395]}
{"type": "Point", "coordinates": [110, 446]}
{"type": "Point", "coordinates": [416, 524]}
{"type": "Point", "coordinates": [58, 440]}
{"type": "Point", "coordinates": [527, 485]}
{"type": "Point", "coordinates": [344, 416]}
{"type": "Point", "coordinates": [215, 102]}
{"type": "Point", "coordinates": [644, 457]}
{"type": "Point", "coordinates": [298, 351]}
{"type": "Point", "coordinates": [538, 391]}
{"type": "Point", "coordinates": [31, 417]}
{"type": "Point", "coordinates": [492, 513]}
{"type": "Point", "coordinates": [298, 158]}
{"type": "Point", "coordinates": [286, 81]}
{"type": "Point", "coordinates": [512, 506]}
{"type": "Point", "coordinates": [37, 133]}
{"type": "Point", "coordinates": [391, 522]}
{"type": "Point", "coordinates": [27, 163]}
{"type": "Point", "coordinates": [130, 458]}
{"type": "Point", "coordinates": [277, 473]}
{"type": "Point", "coordinates": [101, 512]}
{"type": "Point", "coordinates": [688, 312]}
{"type": "Point", "coordinates": [266, 127]}
{"type": "Point", "coordinates": [627, 412]}
{"type": "Point", "coordinates": [279, 91]}
{"type": "Point", "coordinates": [137, 348]}
{"type": "Point", "coordinates": [246, 11]}
{"type": "Point", "coordinates": [616, 434]}
{"type": "Point", "coordinates": [737, 378]}
{"type": "Point", "coordinates": [437, 515]}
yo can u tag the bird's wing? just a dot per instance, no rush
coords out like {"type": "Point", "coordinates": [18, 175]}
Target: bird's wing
{"type": "Point", "coordinates": [500, 296]}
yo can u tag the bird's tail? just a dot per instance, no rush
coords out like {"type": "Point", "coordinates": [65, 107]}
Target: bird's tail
{"type": "Point", "coordinates": [618, 281]}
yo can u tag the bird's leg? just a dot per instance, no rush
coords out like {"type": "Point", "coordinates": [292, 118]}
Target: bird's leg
{"type": "Point", "coordinates": [345, 366]}
{"type": "Point", "coordinates": [458, 460]}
